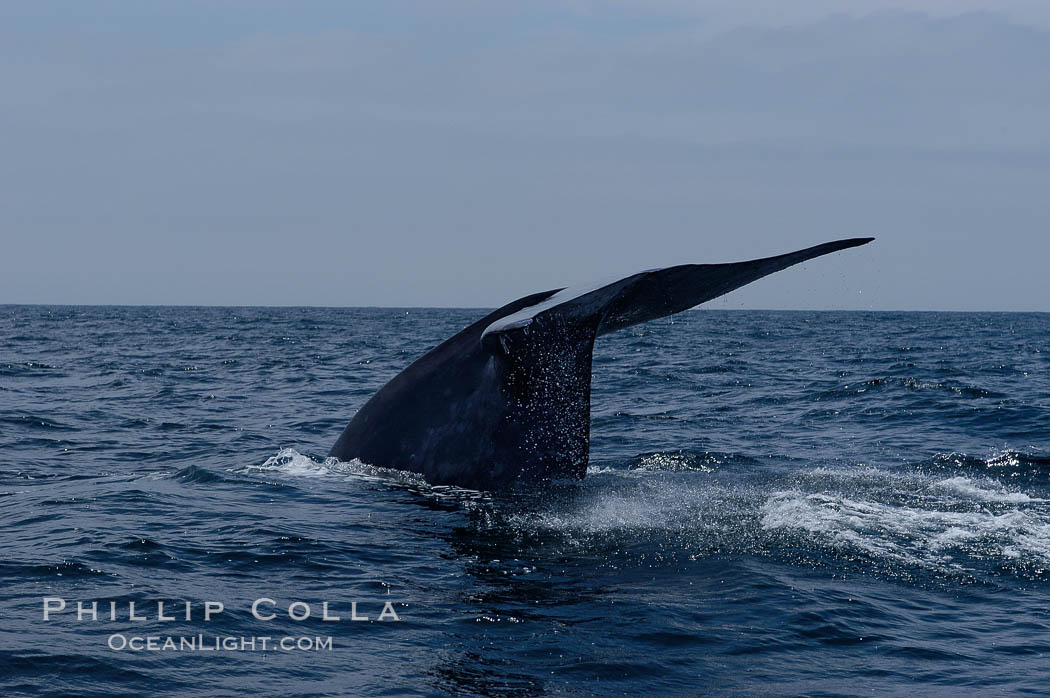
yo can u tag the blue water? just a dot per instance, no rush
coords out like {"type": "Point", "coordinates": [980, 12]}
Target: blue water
{"type": "Point", "coordinates": [777, 503]}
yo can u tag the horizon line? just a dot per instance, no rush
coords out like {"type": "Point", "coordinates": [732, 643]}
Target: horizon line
{"type": "Point", "coordinates": [700, 307]}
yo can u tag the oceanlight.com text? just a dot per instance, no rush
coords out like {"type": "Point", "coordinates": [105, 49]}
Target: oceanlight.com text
{"type": "Point", "coordinates": [218, 643]}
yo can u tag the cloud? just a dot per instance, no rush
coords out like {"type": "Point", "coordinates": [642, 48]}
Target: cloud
{"type": "Point", "coordinates": [471, 153]}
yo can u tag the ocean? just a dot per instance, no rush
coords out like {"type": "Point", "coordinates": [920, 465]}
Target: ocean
{"type": "Point", "coordinates": [778, 503]}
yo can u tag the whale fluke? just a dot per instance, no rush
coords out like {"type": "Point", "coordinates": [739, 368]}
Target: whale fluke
{"type": "Point", "coordinates": [507, 400]}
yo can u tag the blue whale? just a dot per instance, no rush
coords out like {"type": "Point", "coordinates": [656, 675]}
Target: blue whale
{"type": "Point", "coordinates": [507, 401]}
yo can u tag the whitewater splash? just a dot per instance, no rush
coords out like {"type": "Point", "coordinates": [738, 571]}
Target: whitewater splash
{"type": "Point", "coordinates": [954, 525]}
{"type": "Point", "coordinates": [896, 521]}
{"type": "Point", "coordinates": [292, 463]}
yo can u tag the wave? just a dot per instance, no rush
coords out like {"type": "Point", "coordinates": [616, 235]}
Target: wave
{"type": "Point", "coordinates": [1019, 467]}
{"type": "Point", "coordinates": [910, 384]}
{"type": "Point", "coordinates": [679, 461]}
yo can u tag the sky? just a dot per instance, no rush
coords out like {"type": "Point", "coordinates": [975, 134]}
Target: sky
{"type": "Point", "coordinates": [469, 152]}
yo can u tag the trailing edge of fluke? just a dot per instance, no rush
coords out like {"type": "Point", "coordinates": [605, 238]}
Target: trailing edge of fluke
{"type": "Point", "coordinates": [508, 399]}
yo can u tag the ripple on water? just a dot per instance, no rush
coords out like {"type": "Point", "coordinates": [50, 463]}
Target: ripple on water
{"type": "Point", "coordinates": [777, 503]}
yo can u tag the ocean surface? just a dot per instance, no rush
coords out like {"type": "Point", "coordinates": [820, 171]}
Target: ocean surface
{"type": "Point", "coordinates": [820, 503]}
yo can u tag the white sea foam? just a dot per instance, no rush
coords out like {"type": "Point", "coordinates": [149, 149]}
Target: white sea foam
{"type": "Point", "coordinates": [922, 521]}
{"type": "Point", "coordinates": [969, 488]}
{"type": "Point", "coordinates": [290, 462]}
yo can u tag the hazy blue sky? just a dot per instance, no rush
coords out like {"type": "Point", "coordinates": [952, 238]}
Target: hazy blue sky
{"type": "Point", "coordinates": [470, 152]}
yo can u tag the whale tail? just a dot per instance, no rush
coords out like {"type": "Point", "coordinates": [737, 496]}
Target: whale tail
{"type": "Point", "coordinates": [508, 398]}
